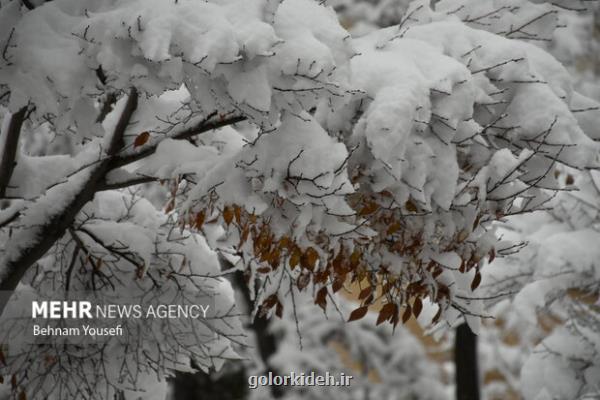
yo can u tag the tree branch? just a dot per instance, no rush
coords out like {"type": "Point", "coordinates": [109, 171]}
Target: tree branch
{"type": "Point", "coordinates": [202, 127]}
{"type": "Point", "coordinates": [48, 232]}
{"type": "Point", "coordinates": [11, 145]}
{"type": "Point", "coordinates": [126, 183]}
{"type": "Point", "coordinates": [116, 141]}
{"type": "Point", "coordinates": [28, 4]}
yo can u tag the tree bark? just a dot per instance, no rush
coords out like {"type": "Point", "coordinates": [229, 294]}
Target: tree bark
{"type": "Point", "coordinates": [11, 145]}
{"type": "Point", "coordinates": [465, 362]}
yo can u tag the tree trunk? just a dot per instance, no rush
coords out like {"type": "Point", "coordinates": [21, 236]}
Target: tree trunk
{"type": "Point", "coordinates": [232, 383]}
{"type": "Point", "coordinates": [227, 385]}
{"type": "Point", "coordinates": [465, 362]}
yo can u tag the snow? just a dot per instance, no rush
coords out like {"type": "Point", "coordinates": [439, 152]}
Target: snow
{"type": "Point", "coordinates": [437, 120]}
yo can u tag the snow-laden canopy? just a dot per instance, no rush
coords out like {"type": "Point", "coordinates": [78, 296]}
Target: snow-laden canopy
{"type": "Point", "coordinates": [306, 157]}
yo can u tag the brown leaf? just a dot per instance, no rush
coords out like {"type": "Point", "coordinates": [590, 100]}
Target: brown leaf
{"type": "Point", "coordinates": [22, 395]}
{"type": "Point", "coordinates": [368, 208]}
{"type": "Point", "coordinates": [227, 215]}
{"type": "Point", "coordinates": [13, 381]}
{"type": "Point", "coordinates": [270, 301]}
{"type": "Point", "coordinates": [274, 258]}
{"type": "Point", "coordinates": [337, 285]}
{"type": "Point", "coordinates": [476, 281]}
{"type": "Point", "coordinates": [570, 180]}
{"type": "Point", "coordinates": [309, 258]}
{"type": "Point", "coordinates": [279, 309]}
{"type": "Point", "coordinates": [295, 258]}
{"type": "Point", "coordinates": [492, 255]}
{"type": "Point", "coordinates": [321, 276]}
{"type": "Point", "coordinates": [359, 313]}
{"type": "Point", "coordinates": [237, 212]}
{"type": "Point", "coordinates": [410, 206]}
{"type": "Point", "coordinates": [387, 312]}
{"type": "Point", "coordinates": [285, 242]}
{"type": "Point", "coordinates": [199, 219]}
{"type": "Point", "coordinates": [244, 236]}
{"type": "Point", "coordinates": [417, 307]}
{"type": "Point", "coordinates": [2, 358]}
{"type": "Point", "coordinates": [407, 313]}
{"type": "Point", "coordinates": [355, 258]}
{"type": "Point", "coordinates": [393, 228]}
{"type": "Point", "coordinates": [365, 292]}
{"type": "Point", "coordinates": [141, 139]}
{"type": "Point", "coordinates": [321, 299]}
{"type": "Point", "coordinates": [442, 292]}
{"type": "Point", "coordinates": [1, 380]}
{"type": "Point", "coordinates": [263, 270]}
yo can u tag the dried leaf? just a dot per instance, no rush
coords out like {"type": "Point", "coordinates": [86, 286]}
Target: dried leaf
{"type": "Point", "coordinates": [410, 206]}
{"type": "Point", "coordinates": [570, 180]}
{"type": "Point", "coordinates": [309, 259]}
{"type": "Point", "coordinates": [365, 292]}
{"type": "Point", "coordinates": [22, 395]}
{"type": "Point", "coordinates": [476, 281]}
{"type": "Point", "coordinates": [359, 313]}
{"type": "Point", "coordinates": [244, 236]}
{"type": "Point", "coordinates": [492, 255]}
{"type": "Point", "coordinates": [355, 258]}
{"type": "Point", "coordinates": [199, 219]}
{"type": "Point", "coordinates": [13, 381]}
{"type": "Point", "coordinates": [368, 208]}
{"type": "Point", "coordinates": [285, 242]}
{"type": "Point", "coordinates": [263, 270]}
{"type": "Point", "coordinates": [270, 301]}
{"type": "Point", "coordinates": [321, 298]}
{"type": "Point", "coordinates": [393, 228]}
{"type": "Point", "coordinates": [295, 258]}
{"type": "Point", "coordinates": [2, 357]}
{"type": "Point", "coordinates": [141, 139]}
{"type": "Point", "coordinates": [227, 215]}
{"type": "Point", "coordinates": [337, 285]}
{"type": "Point", "coordinates": [407, 313]}
{"type": "Point", "coordinates": [237, 212]}
{"type": "Point", "coordinates": [387, 312]}
{"type": "Point", "coordinates": [417, 307]}
{"type": "Point", "coordinates": [279, 309]}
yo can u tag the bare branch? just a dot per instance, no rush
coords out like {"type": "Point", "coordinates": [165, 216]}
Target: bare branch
{"type": "Point", "coordinates": [204, 126]}
{"type": "Point", "coordinates": [126, 183]}
{"type": "Point", "coordinates": [116, 141]}
{"type": "Point", "coordinates": [49, 231]}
